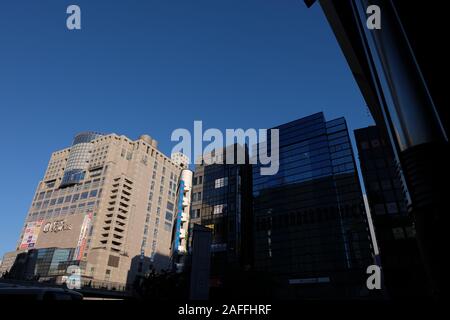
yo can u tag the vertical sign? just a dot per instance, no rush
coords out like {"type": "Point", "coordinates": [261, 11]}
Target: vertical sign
{"type": "Point", "coordinates": [81, 244]}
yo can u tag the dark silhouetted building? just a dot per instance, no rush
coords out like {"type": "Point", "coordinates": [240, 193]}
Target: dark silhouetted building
{"type": "Point", "coordinates": [311, 230]}
{"type": "Point", "coordinates": [200, 263]}
{"type": "Point", "coordinates": [394, 227]}
{"type": "Point", "coordinates": [399, 70]}
{"type": "Point", "coordinates": [221, 195]}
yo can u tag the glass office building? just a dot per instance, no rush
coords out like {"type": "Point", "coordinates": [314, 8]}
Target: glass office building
{"type": "Point", "coordinates": [310, 225]}
{"type": "Point", "coordinates": [394, 228]}
{"type": "Point", "coordinates": [53, 261]}
{"type": "Point", "coordinates": [221, 201]}
{"type": "Point", "coordinates": [398, 70]}
{"type": "Point", "coordinates": [43, 264]}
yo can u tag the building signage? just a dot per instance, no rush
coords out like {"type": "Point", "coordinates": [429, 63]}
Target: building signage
{"type": "Point", "coordinates": [81, 244]}
{"type": "Point", "coordinates": [30, 235]}
{"type": "Point", "coordinates": [56, 226]}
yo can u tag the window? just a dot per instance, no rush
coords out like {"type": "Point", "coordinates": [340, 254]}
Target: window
{"type": "Point", "coordinates": [380, 163]}
{"type": "Point", "coordinates": [379, 209]}
{"type": "Point", "coordinates": [386, 185]}
{"type": "Point", "coordinates": [222, 182]}
{"type": "Point", "coordinates": [75, 197]}
{"type": "Point", "coordinates": [364, 145]}
{"type": "Point", "coordinates": [107, 275]}
{"type": "Point", "coordinates": [60, 200]}
{"type": "Point", "coordinates": [220, 208]}
{"type": "Point", "coordinates": [93, 193]}
{"type": "Point", "coordinates": [392, 208]}
{"type": "Point", "coordinates": [374, 185]}
{"type": "Point", "coordinates": [196, 196]}
{"type": "Point", "coordinates": [169, 206]}
{"type": "Point", "coordinates": [196, 213]}
{"type": "Point", "coordinates": [84, 195]}
{"type": "Point", "coordinates": [45, 204]}
{"type": "Point", "coordinates": [167, 226]}
{"type": "Point", "coordinates": [410, 232]}
{"type": "Point", "coordinates": [169, 215]}
{"type": "Point", "coordinates": [375, 143]}
{"type": "Point", "coordinates": [398, 233]}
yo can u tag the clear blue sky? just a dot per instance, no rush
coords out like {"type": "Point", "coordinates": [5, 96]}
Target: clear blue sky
{"type": "Point", "coordinates": [152, 66]}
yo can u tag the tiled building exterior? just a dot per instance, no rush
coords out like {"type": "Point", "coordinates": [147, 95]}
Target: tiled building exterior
{"type": "Point", "coordinates": [110, 198]}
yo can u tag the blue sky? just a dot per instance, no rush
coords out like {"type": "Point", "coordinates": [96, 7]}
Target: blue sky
{"type": "Point", "coordinates": [151, 67]}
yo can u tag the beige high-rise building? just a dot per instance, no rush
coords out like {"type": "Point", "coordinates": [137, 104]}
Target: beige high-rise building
{"type": "Point", "coordinates": [111, 199]}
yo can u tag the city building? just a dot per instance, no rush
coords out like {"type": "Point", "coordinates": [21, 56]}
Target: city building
{"type": "Point", "coordinates": [311, 231]}
{"type": "Point", "coordinates": [394, 227]}
{"type": "Point", "coordinates": [8, 261]}
{"type": "Point", "coordinates": [110, 199]}
{"type": "Point", "coordinates": [46, 264]}
{"type": "Point", "coordinates": [398, 69]}
{"type": "Point", "coordinates": [221, 201]}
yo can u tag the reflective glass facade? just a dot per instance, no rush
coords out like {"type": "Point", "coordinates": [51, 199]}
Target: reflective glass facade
{"type": "Point", "coordinates": [310, 226]}
{"type": "Point", "coordinates": [52, 261]}
{"type": "Point", "coordinates": [79, 157]}
{"type": "Point", "coordinates": [394, 227]}
{"type": "Point", "coordinates": [221, 202]}
{"type": "Point", "coordinates": [43, 264]}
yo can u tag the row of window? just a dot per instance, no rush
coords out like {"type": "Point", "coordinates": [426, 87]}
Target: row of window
{"type": "Point", "coordinates": [307, 217]}
{"type": "Point", "coordinates": [70, 198]}
{"type": "Point", "coordinates": [197, 180]}
{"type": "Point", "coordinates": [68, 210]}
